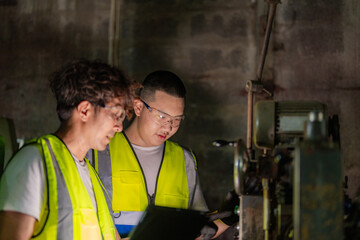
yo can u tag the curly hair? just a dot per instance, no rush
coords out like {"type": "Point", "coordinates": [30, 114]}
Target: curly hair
{"type": "Point", "coordinates": [93, 81]}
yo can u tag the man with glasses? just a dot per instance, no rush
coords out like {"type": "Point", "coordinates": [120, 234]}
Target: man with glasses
{"type": "Point", "coordinates": [141, 166]}
{"type": "Point", "coordinates": [49, 190]}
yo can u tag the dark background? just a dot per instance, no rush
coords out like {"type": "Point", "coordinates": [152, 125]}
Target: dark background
{"type": "Point", "coordinates": [213, 45]}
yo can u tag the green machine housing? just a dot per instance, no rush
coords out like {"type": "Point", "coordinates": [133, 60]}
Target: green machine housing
{"type": "Point", "coordinates": [281, 122]}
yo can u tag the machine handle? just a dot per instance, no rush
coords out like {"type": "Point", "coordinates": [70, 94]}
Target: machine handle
{"type": "Point", "coordinates": [223, 143]}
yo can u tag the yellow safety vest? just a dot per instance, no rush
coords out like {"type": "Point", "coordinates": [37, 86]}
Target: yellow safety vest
{"type": "Point", "coordinates": [68, 212]}
{"type": "Point", "coordinates": [129, 191]}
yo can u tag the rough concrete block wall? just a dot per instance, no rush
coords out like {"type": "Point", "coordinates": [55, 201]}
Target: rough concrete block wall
{"type": "Point", "coordinates": [36, 38]}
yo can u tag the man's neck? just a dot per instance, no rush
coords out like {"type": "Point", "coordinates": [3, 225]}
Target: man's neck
{"type": "Point", "coordinates": [132, 133]}
{"type": "Point", "coordinates": [73, 140]}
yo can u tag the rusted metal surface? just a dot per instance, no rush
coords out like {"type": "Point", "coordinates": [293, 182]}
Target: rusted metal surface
{"type": "Point", "coordinates": [271, 15]}
{"type": "Point", "coordinates": [251, 218]}
{"type": "Point", "coordinates": [318, 192]}
{"type": "Point", "coordinates": [266, 208]}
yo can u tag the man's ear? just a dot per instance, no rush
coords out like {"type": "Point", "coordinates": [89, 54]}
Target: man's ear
{"type": "Point", "coordinates": [138, 106]}
{"type": "Point", "coordinates": [84, 110]}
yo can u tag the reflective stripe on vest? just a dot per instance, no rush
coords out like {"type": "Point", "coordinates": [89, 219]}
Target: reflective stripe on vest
{"type": "Point", "coordinates": [123, 179]}
{"type": "Point", "coordinates": [69, 211]}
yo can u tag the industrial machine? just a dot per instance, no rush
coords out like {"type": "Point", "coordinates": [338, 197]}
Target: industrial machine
{"type": "Point", "coordinates": [294, 171]}
{"type": "Point", "coordinates": [289, 171]}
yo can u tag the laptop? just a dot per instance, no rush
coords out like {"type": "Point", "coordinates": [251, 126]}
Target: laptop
{"type": "Point", "coordinates": [164, 223]}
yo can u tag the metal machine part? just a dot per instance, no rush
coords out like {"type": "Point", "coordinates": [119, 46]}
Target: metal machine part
{"type": "Point", "coordinates": [246, 180]}
{"type": "Point", "coordinates": [241, 162]}
{"type": "Point", "coordinates": [318, 188]}
{"type": "Point", "coordinates": [281, 122]}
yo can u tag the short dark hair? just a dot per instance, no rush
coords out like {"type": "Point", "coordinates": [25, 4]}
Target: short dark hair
{"type": "Point", "coordinates": [163, 81]}
{"type": "Point", "coordinates": [93, 81]}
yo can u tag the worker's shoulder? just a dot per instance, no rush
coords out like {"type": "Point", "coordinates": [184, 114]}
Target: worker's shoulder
{"type": "Point", "coordinates": [28, 156]}
{"type": "Point", "coordinates": [185, 148]}
{"type": "Point", "coordinates": [188, 152]}
{"type": "Point", "coordinates": [31, 149]}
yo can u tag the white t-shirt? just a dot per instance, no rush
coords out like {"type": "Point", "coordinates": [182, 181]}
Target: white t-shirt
{"type": "Point", "coordinates": [22, 185]}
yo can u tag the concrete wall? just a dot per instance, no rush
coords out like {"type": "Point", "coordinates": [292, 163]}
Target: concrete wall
{"type": "Point", "coordinates": [36, 37]}
{"type": "Point", "coordinates": [213, 45]}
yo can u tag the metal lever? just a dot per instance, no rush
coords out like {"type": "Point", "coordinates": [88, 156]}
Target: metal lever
{"type": "Point", "coordinates": [224, 143]}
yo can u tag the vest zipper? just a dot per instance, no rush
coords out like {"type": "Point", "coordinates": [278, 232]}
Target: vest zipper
{"type": "Point", "coordinates": [158, 174]}
{"type": "Point", "coordinates": [151, 198]}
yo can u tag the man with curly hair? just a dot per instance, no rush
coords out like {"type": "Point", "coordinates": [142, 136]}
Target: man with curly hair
{"type": "Point", "coordinates": [49, 190]}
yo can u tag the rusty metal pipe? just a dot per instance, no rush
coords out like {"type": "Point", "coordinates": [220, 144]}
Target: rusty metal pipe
{"type": "Point", "coordinates": [249, 122]}
{"type": "Point", "coordinates": [266, 207]}
{"type": "Point", "coordinates": [271, 14]}
{"type": "Point", "coordinates": [114, 33]}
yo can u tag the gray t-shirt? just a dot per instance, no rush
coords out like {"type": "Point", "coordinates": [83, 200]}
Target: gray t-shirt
{"type": "Point", "coordinates": [22, 185]}
{"type": "Point", "coordinates": [85, 177]}
{"type": "Point", "coordinates": [150, 160]}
